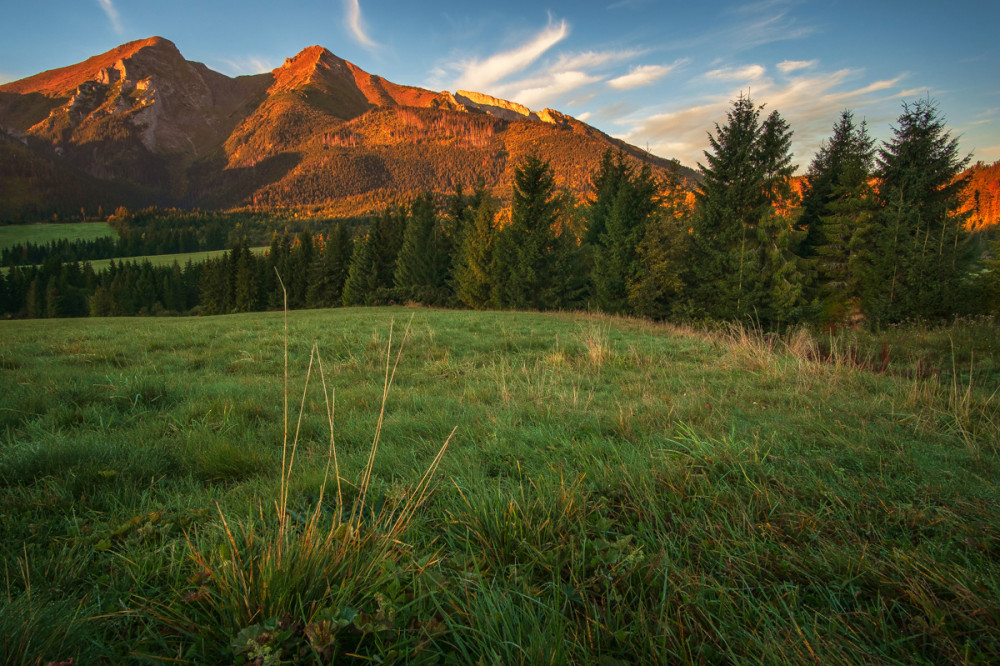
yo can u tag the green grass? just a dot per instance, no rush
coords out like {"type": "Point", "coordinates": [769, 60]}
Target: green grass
{"type": "Point", "coordinates": [617, 492]}
{"type": "Point", "coordinates": [17, 234]}
{"type": "Point", "coordinates": [169, 259]}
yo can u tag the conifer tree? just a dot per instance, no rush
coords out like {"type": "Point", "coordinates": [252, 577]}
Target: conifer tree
{"type": "Point", "coordinates": [327, 285]}
{"type": "Point", "coordinates": [245, 278]}
{"type": "Point", "coordinates": [422, 267]}
{"type": "Point", "coordinates": [386, 240]}
{"type": "Point", "coordinates": [741, 264]}
{"type": "Point", "coordinates": [604, 189]}
{"type": "Point", "coordinates": [838, 206]}
{"type": "Point", "coordinates": [633, 200]}
{"type": "Point", "coordinates": [360, 285]}
{"type": "Point", "coordinates": [523, 256]}
{"type": "Point", "coordinates": [730, 203]}
{"type": "Point", "coordinates": [474, 258]}
{"type": "Point", "coordinates": [916, 251]}
{"type": "Point", "coordinates": [658, 286]}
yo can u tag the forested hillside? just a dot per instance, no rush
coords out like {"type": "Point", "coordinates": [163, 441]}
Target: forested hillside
{"type": "Point", "coordinates": [873, 234]}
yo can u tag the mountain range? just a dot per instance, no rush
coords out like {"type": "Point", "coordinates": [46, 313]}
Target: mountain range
{"type": "Point", "coordinates": [141, 125]}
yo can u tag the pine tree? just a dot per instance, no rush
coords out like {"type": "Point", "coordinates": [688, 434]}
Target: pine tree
{"type": "Point", "coordinates": [633, 200]}
{"type": "Point", "coordinates": [422, 267]}
{"type": "Point", "coordinates": [916, 250]}
{"type": "Point", "coordinates": [474, 259]}
{"type": "Point", "coordinates": [730, 203]}
{"type": "Point", "coordinates": [360, 285]}
{"type": "Point", "coordinates": [742, 265]}
{"type": "Point", "coordinates": [386, 241]}
{"type": "Point", "coordinates": [327, 285]}
{"type": "Point", "coordinates": [245, 279]}
{"type": "Point", "coordinates": [838, 206]}
{"type": "Point", "coordinates": [661, 254]}
{"type": "Point", "coordinates": [522, 261]}
{"type": "Point", "coordinates": [991, 280]}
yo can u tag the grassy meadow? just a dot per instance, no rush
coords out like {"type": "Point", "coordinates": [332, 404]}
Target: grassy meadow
{"type": "Point", "coordinates": [616, 492]}
{"type": "Point", "coordinates": [181, 258]}
{"type": "Point", "coordinates": [17, 234]}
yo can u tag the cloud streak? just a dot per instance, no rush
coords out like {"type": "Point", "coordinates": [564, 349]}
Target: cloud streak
{"type": "Point", "coordinates": [640, 76]}
{"type": "Point", "coordinates": [788, 66]}
{"type": "Point", "coordinates": [112, 14]}
{"type": "Point", "coordinates": [739, 74]}
{"type": "Point", "coordinates": [352, 17]}
{"type": "Point", "coordinates": [246, 65]}
{"type": "Point", "coordinates": [810, 103]}
{"type": "Point", "coordinates": [481, 75]}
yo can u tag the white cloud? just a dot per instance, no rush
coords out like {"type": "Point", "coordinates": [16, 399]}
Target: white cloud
{"type": "Point", "coordinates": [810, 104]}
{"type": "Point", "coordinates": [643, 75]}
{"type": "Point", "coordinates": [748, 73]}
{"type": "Point", "coordinates": [481, 75]}
{"type": "Point", "coordinates": [112, 14]}
{"type": "Point", "coordinates": [352, 15]}
{"type": "Point", "coordinates": [585, 116]}
{"type": "Point", "coordinates": [543, 91]}
{"type": "Point", "coordinates": [246, 65]}
{"type": "Point", "coordinates": [792, 65]}
{"type": "Point", "coordinates": [594, 59]}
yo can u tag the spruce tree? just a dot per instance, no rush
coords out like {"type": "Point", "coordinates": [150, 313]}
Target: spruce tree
{"type": "Point", "coordinates": [605, 185]}
{"type": "Point", "coordinates": [916, 250]}
{"type": "Point", "coordinates": [360, 286]}
{"type": "Point", "coordinates": [330, 272]}
{"type": "Point", "coordinates": [523, 267]}
{"type": "Point", "coordinates": [838, 206]}
{"type": "Point", "coordinates": [658, 286]}
{"type": "Point", "coordinates": [474, 258]}
{"type": "Point", "coordinates": [742, 266]}
{"type": "Point", "coordinates": [421, 269]}
{"type": "Point", "coordinates": [245, 279]}
{"type": "Point", "coordinates": [633, 200]}
{"type": "Point", "coordinates": [386, 240]}
{"type": "Point", "coordinates": [730, 203]}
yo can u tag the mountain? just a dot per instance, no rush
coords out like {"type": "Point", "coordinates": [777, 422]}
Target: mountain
{"type": "Point", "coordinates": [142, 125]}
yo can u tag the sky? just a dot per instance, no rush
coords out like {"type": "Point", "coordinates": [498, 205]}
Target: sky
{"type": "Point", "coordinates": [658, 74]}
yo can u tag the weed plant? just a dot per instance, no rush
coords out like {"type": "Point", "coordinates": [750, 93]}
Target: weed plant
{"type": "Point", "coordinates": [618, 492]}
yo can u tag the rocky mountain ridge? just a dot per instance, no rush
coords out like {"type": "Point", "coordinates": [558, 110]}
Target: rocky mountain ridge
{"type": "Point", "coordinates": [316, 131]}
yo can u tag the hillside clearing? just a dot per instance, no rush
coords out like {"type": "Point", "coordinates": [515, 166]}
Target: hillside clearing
{"type": "Point", "coordinates": [617, 492]}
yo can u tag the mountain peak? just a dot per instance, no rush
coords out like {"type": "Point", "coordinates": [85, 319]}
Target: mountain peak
{"type": "Point", "coordinates": [64, 80]}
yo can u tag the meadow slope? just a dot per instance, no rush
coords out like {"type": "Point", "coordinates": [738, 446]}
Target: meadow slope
{"type": "Point", "coordinates": [617, 492]}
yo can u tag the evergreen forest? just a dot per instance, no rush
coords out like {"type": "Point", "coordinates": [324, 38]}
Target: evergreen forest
{"type": "Point", "coordinates": [876, 234]}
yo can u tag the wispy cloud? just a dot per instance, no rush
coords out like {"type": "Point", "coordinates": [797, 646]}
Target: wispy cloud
{"type": "Point", "coordinates": [740, 74]}
{"type": "Point", "coordinates": [544, 90]}
{"type": "Point", "coordinates": [481, 75]}
{"type": "Point", "coordinates": [643, 75]}
{"type": "Point", "coordinates": [112, 14]}
{"type": "Point", "coordinates": [352, 16]}
{"type": "Point", "coordinates": [246, 65]}
{"type": "Point", "coordinates": [810, 103]}
{"type": "Point", "coordinates": [595, 59]}
{"type": "Point", "coordinates": [788, 66]}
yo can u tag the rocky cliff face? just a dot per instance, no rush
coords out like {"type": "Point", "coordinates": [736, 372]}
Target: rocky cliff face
{"type": "Point", "coordinates": [316, 129]}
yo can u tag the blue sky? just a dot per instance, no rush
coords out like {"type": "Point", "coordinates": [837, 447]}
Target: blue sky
{"type": "Point", "coordinates": [658, 74]}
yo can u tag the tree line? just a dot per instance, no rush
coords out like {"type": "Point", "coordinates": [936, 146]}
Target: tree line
{"type": "Point", "coordinates": [878, 235]}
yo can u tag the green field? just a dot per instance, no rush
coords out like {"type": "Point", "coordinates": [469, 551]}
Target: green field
{"type": "Point", "coordinates": [169, 259]}
{"type": "Point", "coordinates": [617, 492]}
{"type": "Point", "coordinates": [17, 234]}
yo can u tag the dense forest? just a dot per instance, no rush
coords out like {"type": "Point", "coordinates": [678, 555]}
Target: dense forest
{"type": "Point", "coordinates": [877, 234]}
